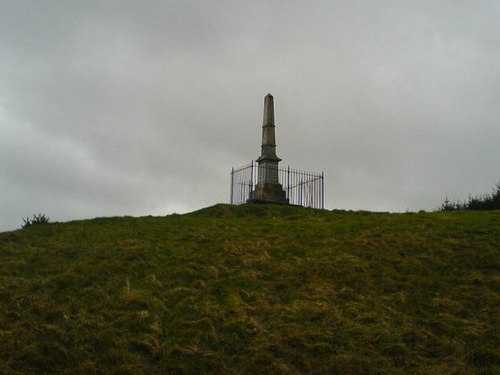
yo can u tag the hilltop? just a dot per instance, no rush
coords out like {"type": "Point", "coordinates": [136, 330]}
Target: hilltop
{"type": "Point", "coordinates": [253, 290]}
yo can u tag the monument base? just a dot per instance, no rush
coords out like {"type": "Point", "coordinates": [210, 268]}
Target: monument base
{"type": "Point", "coordinates": [268, 193]}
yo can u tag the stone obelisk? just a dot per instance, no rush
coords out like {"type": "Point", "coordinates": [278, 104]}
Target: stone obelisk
{"type": "Point", "coordinates": [268, 189]}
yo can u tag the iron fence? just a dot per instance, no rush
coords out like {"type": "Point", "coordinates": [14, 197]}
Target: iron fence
{"type": "Point", "coordinates": [302, 188]}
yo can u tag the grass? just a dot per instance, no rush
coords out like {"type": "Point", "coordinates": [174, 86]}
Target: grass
{"type": "Point", "coordinates": [253, 290]}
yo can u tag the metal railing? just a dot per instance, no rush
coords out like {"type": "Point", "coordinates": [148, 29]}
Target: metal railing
{"type": "Point", "coordinates": [302, 188]}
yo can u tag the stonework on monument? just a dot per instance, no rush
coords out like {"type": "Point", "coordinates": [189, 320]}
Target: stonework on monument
{"type": "Point", "coordinates": [268, 188]}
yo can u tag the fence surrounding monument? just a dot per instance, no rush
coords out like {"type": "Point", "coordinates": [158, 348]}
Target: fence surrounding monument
{"type": "Point", "coordinates": [302, 188]}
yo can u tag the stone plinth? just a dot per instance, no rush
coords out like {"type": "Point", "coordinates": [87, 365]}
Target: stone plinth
{"type": "Point", "coordinates": [268, 194]}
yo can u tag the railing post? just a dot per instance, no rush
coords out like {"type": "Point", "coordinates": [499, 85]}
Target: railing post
{"type": "Point", "coordinates": [322, 190]}
{"type": "Point", "coordinates": [251, 176]}
{"type": "Point", "coordinates": [232, 185]}
{"type": "Point", "coordinates": [288, 183]}
{"type": "Point", "coordinates": [300, 189]}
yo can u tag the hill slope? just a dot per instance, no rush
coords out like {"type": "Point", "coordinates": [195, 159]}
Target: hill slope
{"type": "Point", "coordinates": [253, 290]}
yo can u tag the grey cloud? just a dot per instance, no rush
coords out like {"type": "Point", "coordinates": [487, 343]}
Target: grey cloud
{"type": "Point", "coordinates": [125, 107]}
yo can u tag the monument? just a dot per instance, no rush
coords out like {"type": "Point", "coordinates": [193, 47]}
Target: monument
{"type": "Point", "coordinates": [264, 181]}
{"type": "Point", "coordinates": [268, 188]}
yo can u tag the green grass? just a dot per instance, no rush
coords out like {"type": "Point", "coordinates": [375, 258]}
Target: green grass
{"type": "Point", "coordinates": [253, 290]}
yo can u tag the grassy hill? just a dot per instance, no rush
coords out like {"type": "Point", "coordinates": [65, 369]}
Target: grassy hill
{"type": "Point", "coordinates": [253, 290]}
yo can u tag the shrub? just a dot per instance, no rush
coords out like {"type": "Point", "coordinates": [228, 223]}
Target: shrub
{"type": "Point", "coordinates": [481, 202]}
{"type": "Point", "coordinates": [37, 219]}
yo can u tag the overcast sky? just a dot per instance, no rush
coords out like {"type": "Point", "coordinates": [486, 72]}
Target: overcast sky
{"type": "Point", "coordinates": [142, 107]}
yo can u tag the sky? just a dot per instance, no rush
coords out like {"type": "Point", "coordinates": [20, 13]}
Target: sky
{"type": "Point", "coordinates": [111, 108]}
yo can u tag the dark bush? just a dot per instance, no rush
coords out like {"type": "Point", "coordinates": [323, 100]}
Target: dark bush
{"type": "Point", "coordinates": [37, 219]}
{"type": "Point", "coordinates": [480, 202]}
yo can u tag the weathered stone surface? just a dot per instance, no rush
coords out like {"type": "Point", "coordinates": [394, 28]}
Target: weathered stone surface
{"type": "Point", "coordinates": [268, 188]}
{"type": "Point", "coordinates": [268, 193]}
{"type": "Point", "coordinates": [268, 148]}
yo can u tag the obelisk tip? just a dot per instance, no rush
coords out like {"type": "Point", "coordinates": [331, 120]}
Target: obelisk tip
{"type": "Point", "coordinates": [268, 110]}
